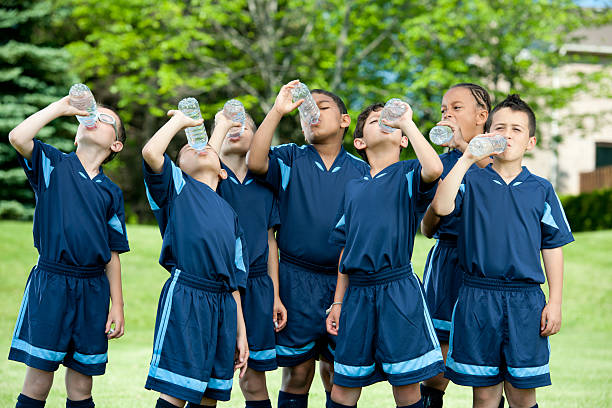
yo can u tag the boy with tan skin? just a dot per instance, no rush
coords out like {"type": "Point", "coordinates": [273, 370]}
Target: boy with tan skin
{"type": "Point", "coordinates": [309, 181]}
{"type": "Point", "coordinates": [79, 231]}
{"type": "Point", "coordinates": [200, 336]}
{"type": "Point", "coordinates": [509, 218]}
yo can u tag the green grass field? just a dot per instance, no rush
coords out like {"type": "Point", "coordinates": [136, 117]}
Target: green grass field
{"type": "Point", "coordinates": [581, 362]}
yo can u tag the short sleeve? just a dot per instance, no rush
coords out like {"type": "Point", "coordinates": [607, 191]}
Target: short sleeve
{"type": "Point", "coordinates": [556, 230]}
{"type": "Point", "coordinates": [39, 168]}
{"type": "Point", "coordinates": [161, 188]}
{"type": "Point", "coordinates": [280, 161]}
{"type": "Point", "coordinates": [422, 193]}
{"type": "Point", "coordinates": [459, 198]}
{"type": "Point", "coordinates": [338, 233]}
{"type": "Point", "coordinates": [117, 233]}
{"type": "Point", "coordinates": [274, 217]}
{"type": "Point", "coordinates": [241, 257]}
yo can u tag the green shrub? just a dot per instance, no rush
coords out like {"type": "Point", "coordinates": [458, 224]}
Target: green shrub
{"type": "Point", "coordinates": [589, 211]}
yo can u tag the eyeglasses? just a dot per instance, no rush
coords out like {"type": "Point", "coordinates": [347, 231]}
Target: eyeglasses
{"type": "Point", "coordinates": [106, 118]}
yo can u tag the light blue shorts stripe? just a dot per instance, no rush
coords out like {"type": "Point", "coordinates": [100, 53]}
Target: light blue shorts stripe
{"type": "Point", "coordinates": [291, 351]}
{"type": "Point", "coordinates": [430, 266]}
{"type": "Point", "coordinates": [405, 367]}
{"type": "Point", "coordinates": [430, 326]}
{"type": "Point", "coordinates": [528, 371]}
{"type": "Point", "coordinates": [353, 371]}
{"type": "Point", "coordinates": [159, 340]}
{"type": "Point", "coordinates": [218, 384]}
{"type": "Point", "coordinates": [262, 355]}
{"type": "Point", "coordinates": [177, 379]}
{"type": "Point", "coordinates": [469, 369]}
{"type": "Point", "coordinates": [38, 352]}
{"type": "Point", "coordinates": [22, 310]}
{"type": "Point", "coordinates": [91, 358]}
{"type": "Point", "coordinates": [441, 324]}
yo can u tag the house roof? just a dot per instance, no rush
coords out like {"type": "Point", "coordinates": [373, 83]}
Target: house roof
{"type": "Point", "coordinates": [591, 40]}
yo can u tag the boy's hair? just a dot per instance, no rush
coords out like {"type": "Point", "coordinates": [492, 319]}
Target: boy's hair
{"type": "Point", "coordinates": [338, 101]}
{"type": "Point", "coordinates": [361, 120]}
{"type": "Point", "coordinates": [121, 136]}
{"type": "Point", "coordinates": [249, 119]}
{"type": "Point", "coordinates": [515, 103]}
{"type": "Point", "coordinates": [482, 97]}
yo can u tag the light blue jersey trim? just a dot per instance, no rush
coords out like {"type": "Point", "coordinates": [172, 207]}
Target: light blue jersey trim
{"type": "Point", "coordinates": [430, 266]}
{"type": "Point", "coordinates": [116, 224]}
{"type": "Point", "coordinates": [409, 366]}
{"type": "Point", "coordinates": [353, 371]}
{"type": "Point", "coordinates": [335, 169]}
{"type": "Point", "coordinates": [462, 187]}
{"type": "Point", "coordinates": [177, 176]}
{"type": "Point", "coordinates": [528, 371]}
{"type": "Point", "coordinates": [218, 384]}
{"type": "Point", "coordinates": [239, 258]}
{"type": "Point", "coordinates": [177, 379]}
{"type": "Point", "coordinates": [38, 352]}
{"type": "Point", "coordinates": [83, 175]}
{"type": "Point", "coordinates": [293, 351]}
{"type": "Point", "coordinates": [152, 202]}
{"type": "Point", "coordinates": [563, 213]}
{"type": "Point", "coordinates": [319, 166]}
{"type": "Point", "coordinates": [340, 222]}
{"type": "Point", "coordinates": [27, 163]}
{"type": "Point", "coordinates": [409, 176]}
{"type": "Point", "coordinates": [91, 358]}
{"type": "Point", "coordinates": [547, 218]}
{"type": "Point", "coordinates": [441, 324]}
{"type": "Point", "coordinates": [285, 173]}
{"type": "Point", "coordinates": [163, 326]}
{"type": "Point", "coordinates": [47, 168]}
{"type": "Point", "coordinates": [246, 183]}
{"type": "Point", "coordinates": [262, 355]}
{"type": "Point", "coordinates": [498, 182]}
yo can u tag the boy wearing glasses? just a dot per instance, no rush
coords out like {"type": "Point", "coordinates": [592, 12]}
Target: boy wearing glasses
{"type": "Point", "coordinates": [79, 232]}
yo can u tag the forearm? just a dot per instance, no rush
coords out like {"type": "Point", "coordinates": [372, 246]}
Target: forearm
{"type": "Point", "coordinates": [553, 266]}
{"type": "Point", "coordinates": [22, 136]}
{"type": "Point", "coordinates": [273, 261]}
{"type": "Point", "coordinates": [241, 327]}
{"type": "Point", "coordinates": [153, 151]}
{"type": "Point", "coordinates": [113, 273]}
{"type": "Point", "coordinates": [429, 224]}
{"type": "Point", "coordinates": [257, 158]}
{"type": "Point", "coordinates": [444, 201]}
{"type": "Point", "coordinates": [218, 135]}
{"type": "Point", "coordinates": [430, 161]}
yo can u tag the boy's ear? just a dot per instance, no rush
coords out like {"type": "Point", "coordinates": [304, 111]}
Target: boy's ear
{"type": "Point", "coordinates": [222, 174]}
{"type": "Point", "coordinates": [404, 142]}
{"type": "Point", "coordinates": [345, 120]}
{"type": "Point", "coordinates": [531, 143]}
{"type": "Point", "coordinates": [117, 146]}
{"type": "Point", "coordinates": [481, 117]}
{"type": "Point", "coordinates": [359, 143]}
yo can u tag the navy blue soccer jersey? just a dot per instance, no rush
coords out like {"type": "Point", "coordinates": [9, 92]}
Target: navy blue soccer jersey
{"type": "Point", "coordinates": [309, 196]}
{"type": "Point", "coordinates": [201, 234]}
{"type": "Point", "coordinates": [379, 217]}
{"type": "Point", "coordinates": [77, 221]}
{"type": "Point", "coordinates": [257, 209]}
{"type": "Point", "coordinates": [505, 226]}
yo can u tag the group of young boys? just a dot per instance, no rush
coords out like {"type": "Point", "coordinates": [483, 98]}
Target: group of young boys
{"type": "Point", "coordinates": [279, 256]}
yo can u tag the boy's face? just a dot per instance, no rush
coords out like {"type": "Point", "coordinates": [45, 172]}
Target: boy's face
{"type": "Point", "coordinates": [331, 122]}
{"type": "Point", "coordinates": [374, 138]}
{"type": "Point", "coordinates": [103, 135]}
{"type": "Point", "coordinates": [459, 106]}
{"type": "Point", "coordinates": [238, 145]}
{"type": "Point", "coordinates": [193, 161]}
{"type": "Point", "coordinates": [514, 126]}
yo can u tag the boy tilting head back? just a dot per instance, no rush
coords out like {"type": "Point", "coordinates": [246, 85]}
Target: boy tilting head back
{"type": "Point", "coordinates": [199, 326]}
{"type": "Point", "coordinates": [379, 302]}
{"type": "Point", "coordinates": [309, 181]}
{"type": "Point", "coordinates": [79, 232]}
{"type": "Point", "coordinates": [509, 217]}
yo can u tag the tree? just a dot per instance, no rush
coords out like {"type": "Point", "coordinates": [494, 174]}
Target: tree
{"type": "Point", "coordinates": [34, 71]}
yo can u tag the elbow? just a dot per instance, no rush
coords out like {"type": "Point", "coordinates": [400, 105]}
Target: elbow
{"type": "Point", "coordinates": [256, 166]}
{"type": "Point", "coordinates": [13, 139]}
{"type": "Point", "coordinates": [426, 231]}
{"type": "Point", "coordinates": [147, 154]}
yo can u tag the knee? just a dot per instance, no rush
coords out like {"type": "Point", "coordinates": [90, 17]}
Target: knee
{"type": "Point", "coordinates": [37, 384]}
{"type": "Point", "coordinates": [253, 385]}
{"type": "Point", "coordinates": [486, 396]}
{"type": "Point", "coordinates": [78, 386]}
{"type": "Point", "coordinates": [521, 399]}
{"type": "Point", "coordinates": [297, 379]}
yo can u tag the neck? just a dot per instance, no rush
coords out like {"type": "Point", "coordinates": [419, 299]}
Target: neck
{"type": "Point", "coordinates": [208, 178]}
{"type": "Point", "coordinates": [381, 159]}
{"type": "Point", "coordinates": [91, 159]}
{"type": "Point", "coordinates": [507, 170]}
{"type": "Point", "coordinates": [237, 163]}
{"type": "Point", "coordinates": [328, 151]}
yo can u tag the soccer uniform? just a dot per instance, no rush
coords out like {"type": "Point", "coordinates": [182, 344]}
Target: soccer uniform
{"type": "Point", "coordinates": [385, 331]}
{"type": "Point", "coordinates": [257, 210]}
{"type": "Point", "coordinates": [442, 277]}
{"type": "Point", "coordinates": [495, 332]}
{"type": "Point", "coordinates": [204, 251]}
{"type": "Point", "coordinates": [78, 221]}
{"type": "Point", "coordinates": [308, 197]}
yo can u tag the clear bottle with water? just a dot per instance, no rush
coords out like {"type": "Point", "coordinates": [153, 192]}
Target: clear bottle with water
{"type": "Point", "coordinates": [196, 135]}
{"type": "Point", "coordinates": [234, 109]}
{"type": "Point", "coordinates": [393, 110]}
{"type": "Point", "coordinates": [441, 134]}
{"type": "Point", "coordinates": [309, 111]}
{"type": "Point", "coordinates": [485, 145]}
{"type": "Point", "coordinates": [82, 99]}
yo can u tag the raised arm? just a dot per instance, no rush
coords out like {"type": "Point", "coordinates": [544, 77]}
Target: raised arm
{"type": "Point", "coordinates": [223, 124]}
{"type": "Point", "coordinates": [431, 166]}
{"type": "Point", "coordinates": [153, 151]}
{"type": "Point", "coordinates": [257, 158]}
{"type": "Point", "coordinates": [22, 136]}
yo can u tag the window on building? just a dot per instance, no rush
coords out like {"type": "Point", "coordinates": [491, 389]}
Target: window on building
{"type": "Point", "coordinates": [603, 154]}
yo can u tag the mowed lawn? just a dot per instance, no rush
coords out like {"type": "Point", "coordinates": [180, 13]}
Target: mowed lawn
{"type": "Point", "coordinates": [581, 362]}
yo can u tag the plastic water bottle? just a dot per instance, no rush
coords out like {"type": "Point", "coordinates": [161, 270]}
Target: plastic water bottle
{"type": "Point", "coordinates": [309, 111]}
{"type": "Point", "coordinates": [483, 145]}
{"type": "Point", "coordinates": [440, 134]}
{"type": "Point", "coordinates": [234, 109]}
{"type": "Point", "coordinates": [196, 135]}
{"type": "Point", "coordinates": [393, 110]}
{"type": "Point", "coordinates": [82, 99]}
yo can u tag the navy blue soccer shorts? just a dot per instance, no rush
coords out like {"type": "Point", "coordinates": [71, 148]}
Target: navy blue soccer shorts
{"type": "Point", "coordinates": [258, 309]}
{"type": "Point", "coordinates": [195, 340]}
{"type": "Point", "coordinates": [495, 335]}
{"type": "Point", "coordinates": [306, 293]}
{"type": "Point", "coordinates": [385, 332]}
{"type": "Point", "coordinates": [442, 280]}
{"type": "Point", "coordinates": [62, 319]}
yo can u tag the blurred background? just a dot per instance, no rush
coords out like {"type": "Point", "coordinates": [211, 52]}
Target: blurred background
{"type": "Point", "coordinates": [143, 56]}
